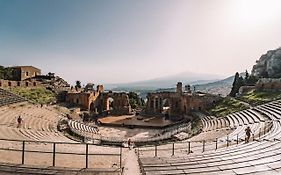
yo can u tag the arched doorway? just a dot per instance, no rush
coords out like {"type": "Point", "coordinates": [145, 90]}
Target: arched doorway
{"type": "Point", "coordinates": [166, 108]}
{"type": "Point", "coordinates": [109, 104]}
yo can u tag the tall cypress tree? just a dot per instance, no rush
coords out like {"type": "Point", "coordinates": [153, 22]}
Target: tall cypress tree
{"type": "Point", "coordinates": [246, 75]}
{"type": "Point", "coordinates": [2, 69]}
{"type": "Point", "coordinates": [235, 85]}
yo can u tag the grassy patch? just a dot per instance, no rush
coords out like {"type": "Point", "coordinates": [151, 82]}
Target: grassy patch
{"type": "Point", "coordinates": [259, 97]}
{"type": "Point", "coordinates": [227, 106]}
{"type": "Point", "coordinates": [38, 95]}
{"type": "Point", "coordinates": [196, 126]}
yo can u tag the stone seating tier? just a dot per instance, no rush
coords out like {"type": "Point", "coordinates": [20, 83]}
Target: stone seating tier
{"type": "Point", "coordinates": [8, 98]}
{"type": "Point", "coordinates": [223, 161]}
{"type": "Point", "coordinates": [257, 157]}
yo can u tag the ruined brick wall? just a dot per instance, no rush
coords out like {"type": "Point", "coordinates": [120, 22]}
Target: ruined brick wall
{"type": "Point", "coordinates": [99, 101]}
{"type": "Point", "coordinates": [94, 101]}
{"type": "Point", "coordinates": [24, 83]}
{"type": "Point", "coordinates": [268, 84]}
{"type": "Point", "coordinates": [179, 104]}
{"type": "Point", "coordinates": [78, 99]}
{"type": "Point", "coordinates": [25, 72]}
{"type": "Point", "coordinates": [120, 103]}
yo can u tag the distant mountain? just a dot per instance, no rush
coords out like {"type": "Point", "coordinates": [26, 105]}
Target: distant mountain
{"type": "Point", "coordinates": [167, 81]}
{"type": "Point", "coordinates": [222, 87]}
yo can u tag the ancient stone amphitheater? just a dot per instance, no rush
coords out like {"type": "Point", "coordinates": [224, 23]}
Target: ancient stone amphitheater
{"type": "Point", "coordinates": [37, 147]}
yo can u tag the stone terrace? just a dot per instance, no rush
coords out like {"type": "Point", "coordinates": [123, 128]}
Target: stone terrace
{"type": "Point", "coordinates": [8, 98]}
{"type": "Point", "coordinates": [38, 135]}
{"type": "Point", "coordinates": [260, 156]}
{"type": "Point", "coordinates": [218, 149]}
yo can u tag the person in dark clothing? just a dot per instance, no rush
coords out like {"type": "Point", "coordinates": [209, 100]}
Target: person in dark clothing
{"type": "Point", "coordinates": [19, 120]}
{"type": "Point", "coordinates": [248, 134]}
{"type": "Point", "coordinates": [129, 143]}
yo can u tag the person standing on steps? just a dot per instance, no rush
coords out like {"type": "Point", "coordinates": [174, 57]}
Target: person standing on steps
{"type": "Point", "coordinates": [19, 120]}
{"type": "Point", "coordinates": [248, 134]}
{"type": "Point", "coordinates": [129, 143]}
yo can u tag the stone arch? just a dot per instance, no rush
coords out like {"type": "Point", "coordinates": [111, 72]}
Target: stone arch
{"type": "Point", "coordinates": [166, 102]}
{"type": "Point", "coordinates": [152, 103]}
{"type": "Point", "coordinates": [109, 103]}
{"type": "Point", "coordinates": [115, 103]}
{"type": "Point", "coordinates": [166, 107]}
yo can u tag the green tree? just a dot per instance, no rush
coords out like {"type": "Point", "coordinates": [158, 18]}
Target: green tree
{"type": "Point", "coordinates": [246, 75]}
{"type": "Point", "coordinates": [2, 70]}
{"type": "Point", "coordinates": [78, 84]}
{"type": "Point", "coordinates": [135, 100]}
{"type": "Point", "coordinates": [251, 81]}
{"type": "Point", "coordinates": [237, 83]}
{"type": "Point", "coordinates": [8, 73]}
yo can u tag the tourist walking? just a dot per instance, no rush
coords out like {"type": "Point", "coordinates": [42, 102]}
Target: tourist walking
{"type": "Point", "coordinates": [19, 120]}
{"type": "Point", "coordinates": [129, 143]}
{"type": "Point", "coordinates": [248, 134]}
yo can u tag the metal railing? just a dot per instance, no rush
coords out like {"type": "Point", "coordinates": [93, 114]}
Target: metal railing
{"type": "Point", "coordinates": [54, 150]}
{"type": "Point", "coordinates": [212, 145]}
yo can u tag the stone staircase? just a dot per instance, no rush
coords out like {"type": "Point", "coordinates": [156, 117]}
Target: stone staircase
{"type": "Point", "coordinates": [7, 98]}
{"type": "Point", "coordinates": [38, 124]}
{"type": "Point", "coordinates": [8, 169]}
{"type": "Point", "coordinates": [261, 156]}
{"type": "Point", "coordinates": [39, 133]}
{"type": "Point", "coordinates": [81, 129]}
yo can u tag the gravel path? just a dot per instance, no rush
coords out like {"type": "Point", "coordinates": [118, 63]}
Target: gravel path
{"type": "Point", "coordinates": [131, 166]}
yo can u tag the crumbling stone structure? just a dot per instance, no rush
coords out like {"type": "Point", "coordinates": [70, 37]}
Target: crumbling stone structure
{"type": "Point", "coordinates": [52, 82]}
{"type": "Point", "coordinates": [30, 77]}
{"type": "Point", "coordinates": [23, 83]}
{"type": "Point", "coordinates": [22, 77]}
{"type": "Point", "coordinates": [179, 103]}
{"type": "Point", "coordinates": [24, 72]}
{"type": "Point", "coordinates": [268, 84]}
{"type": "Point", "coordinates": [100, 102]}
{"type": "Point", "coordinates": [117, 103]}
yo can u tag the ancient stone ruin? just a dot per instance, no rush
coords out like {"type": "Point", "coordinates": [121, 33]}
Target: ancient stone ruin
{"type": "Point", "coordinates": [100, 102]}
{"type": "Point", "coordinates": [179, 103]}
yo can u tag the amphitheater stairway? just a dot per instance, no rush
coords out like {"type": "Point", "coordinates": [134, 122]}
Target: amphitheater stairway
{"type": "Point", "coordinates": [38, 123]}
{"type": "Point", "coordinates": [8, 169]}
{"type": "Point", "coordinates": [260, 156]}
{"type": "Point", "coordinates": [39, 137]}
{"type": "Point", "coordinates": [242, 159]}
{"type": "Point", "coordinates": [84, 130]}
{"type": "Point", "coordinates": [7, 98]}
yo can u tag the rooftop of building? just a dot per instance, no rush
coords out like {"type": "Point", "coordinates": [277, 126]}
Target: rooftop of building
{"type": "Point", "coordinates": [26, 67]}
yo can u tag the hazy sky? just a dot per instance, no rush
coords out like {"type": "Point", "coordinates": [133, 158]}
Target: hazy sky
{"type": "Point", "coordinates": [109, 41]}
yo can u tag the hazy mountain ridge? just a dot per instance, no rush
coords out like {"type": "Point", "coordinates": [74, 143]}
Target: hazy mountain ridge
{"type": "Point", "coordinates": [222, 87]}
{"type": "Point", "coordinates": [167, 81]}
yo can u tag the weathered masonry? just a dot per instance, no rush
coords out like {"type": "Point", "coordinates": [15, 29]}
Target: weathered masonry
{"type": "Point", "coordinates": [179, 103]}
{"type": "Point", "coordinates": [100, 102]}
{"type": "Point", "coordinates": [24, 72]}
